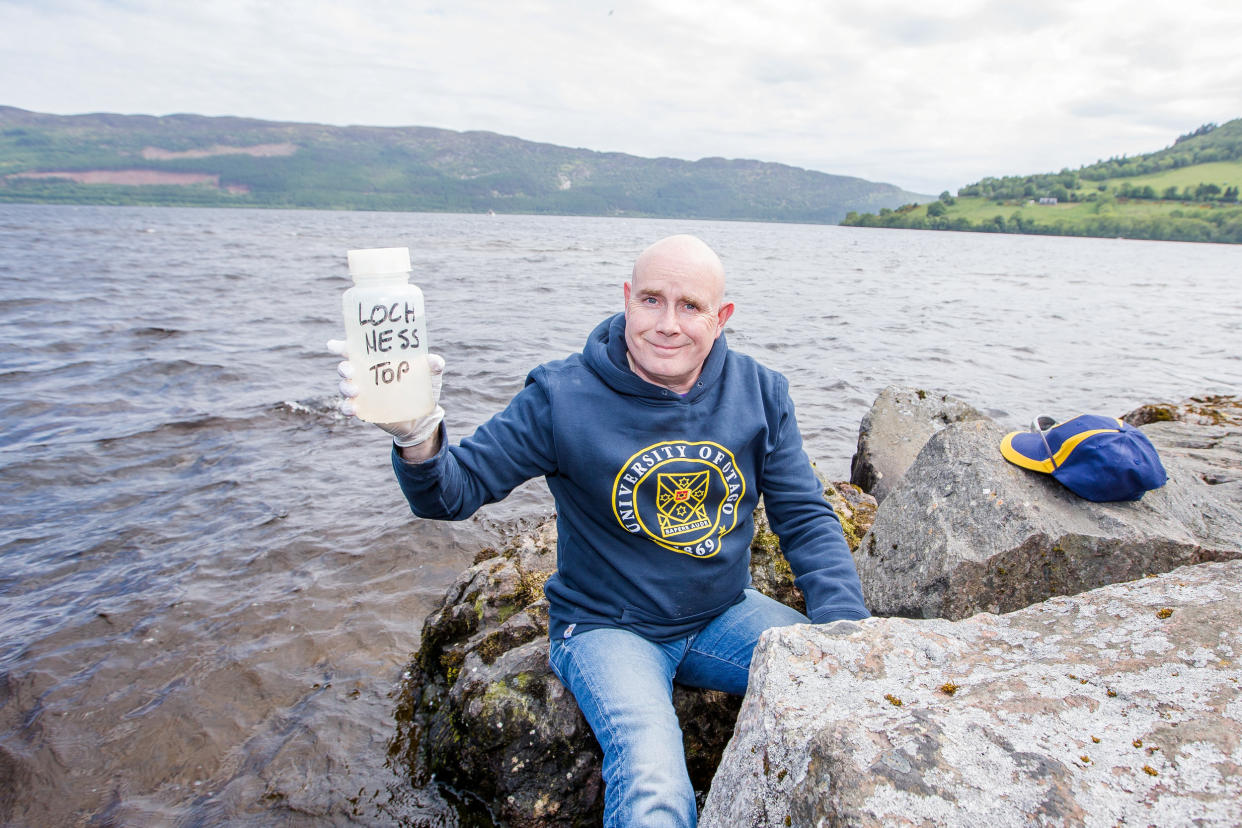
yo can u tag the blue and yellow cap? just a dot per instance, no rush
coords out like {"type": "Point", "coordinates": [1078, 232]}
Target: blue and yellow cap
{"type": "Point", "coordinates": [1098, 458]}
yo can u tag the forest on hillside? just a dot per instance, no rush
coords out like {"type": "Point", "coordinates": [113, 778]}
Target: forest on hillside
{"type": "Point", "coordinates": [237, 162]}
{"type": "Point", "coordinates": [1188, 191]}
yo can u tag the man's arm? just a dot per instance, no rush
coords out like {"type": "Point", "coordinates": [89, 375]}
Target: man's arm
{"type": "Point", "coordinates": [810, 533]}
{"type": "Point", "coordinates": [452, 482]}
{"type": "Point", "coordinates": [509, 449]}
{"type": "Point", "coordinates": [423, 451]}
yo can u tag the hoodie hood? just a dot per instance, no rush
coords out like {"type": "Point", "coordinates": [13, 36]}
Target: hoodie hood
{"type": "Point", "coordinates": [605, 354]}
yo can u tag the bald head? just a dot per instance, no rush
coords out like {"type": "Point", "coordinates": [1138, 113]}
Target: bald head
{"type": "Point", "coordinates": [674, 311]}
{"type": "Point", "coordinates": [687, 256]}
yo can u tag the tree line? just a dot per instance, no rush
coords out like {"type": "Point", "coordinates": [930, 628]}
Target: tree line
{"type": "Point", "coordinates": [1207, 144]}
{"type": "Point", "coordinates": [1066, 186]}
{"type": "Point", "coordinates": [1215, 225]}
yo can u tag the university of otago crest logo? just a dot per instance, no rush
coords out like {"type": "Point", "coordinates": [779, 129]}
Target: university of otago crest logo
{"type": "Point", "coordinates": [681, 495]}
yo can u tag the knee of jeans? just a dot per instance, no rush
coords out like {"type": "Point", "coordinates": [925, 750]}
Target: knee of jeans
{"type": "Point", "coordinates": [666, 779]}
{"type": "Point", "coordinates": [648, 753]}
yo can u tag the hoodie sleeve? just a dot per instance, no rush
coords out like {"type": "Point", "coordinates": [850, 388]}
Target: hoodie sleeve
{"type": "Point", "coordinates": [507, 450]}
{"type": "Point", "coordinates": [810, 533]}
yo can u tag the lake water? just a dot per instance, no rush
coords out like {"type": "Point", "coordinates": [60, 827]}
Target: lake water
{"type": "Point", "coordinates": [210, 584]}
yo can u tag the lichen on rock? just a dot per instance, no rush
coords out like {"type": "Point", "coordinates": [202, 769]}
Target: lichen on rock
{"type": "Point", "coordinates": [1085, 710]}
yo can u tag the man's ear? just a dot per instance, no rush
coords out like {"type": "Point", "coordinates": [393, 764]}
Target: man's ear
{"type": "Point", "coordinates": [627, 294]}
{"type": "Point", "coordinates": [722, 315]}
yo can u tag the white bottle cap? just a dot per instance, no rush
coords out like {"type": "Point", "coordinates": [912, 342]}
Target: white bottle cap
{"type": "Point", "coordinates": [379, 260]}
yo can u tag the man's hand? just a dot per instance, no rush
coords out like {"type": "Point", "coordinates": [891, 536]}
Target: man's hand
{"type": "Point", "coordinates": [417, 439]}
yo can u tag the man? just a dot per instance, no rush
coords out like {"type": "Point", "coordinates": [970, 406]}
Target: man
{"type": "Point", "coordinates": [656, 442]}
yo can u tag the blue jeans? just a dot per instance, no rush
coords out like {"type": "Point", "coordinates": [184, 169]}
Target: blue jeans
{"type": "Point", "coordinates": [623, 684]}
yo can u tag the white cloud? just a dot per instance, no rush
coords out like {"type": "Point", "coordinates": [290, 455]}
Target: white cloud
{"type": "Point", "coordinates": [926, 96]}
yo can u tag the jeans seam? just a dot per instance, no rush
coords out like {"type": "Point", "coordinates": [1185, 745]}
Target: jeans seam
{"type": "Point", "coordinates": [721, 659]}
{"type": "Point", "coordinates": [720, 634]}
{"type": "Point", "coordinates": [593, 689]}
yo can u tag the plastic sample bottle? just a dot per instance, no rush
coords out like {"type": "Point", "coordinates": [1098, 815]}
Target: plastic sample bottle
{"type": "Point", "coordinates": [386, 333]}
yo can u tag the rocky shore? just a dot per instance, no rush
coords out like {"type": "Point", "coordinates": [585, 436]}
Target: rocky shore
{"type": "Point", "coordinates": [1025, 666]}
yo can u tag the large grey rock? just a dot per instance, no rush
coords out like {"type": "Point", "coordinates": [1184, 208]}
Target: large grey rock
{"type": "Point", "coordinates": [967, 531]}
{"type": "Point", "coordinates": [894, 430]}
{"type": "Point", "coordinates": [1117, 706]}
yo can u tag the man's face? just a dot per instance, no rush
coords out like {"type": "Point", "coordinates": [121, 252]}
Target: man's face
{"type": "Point", "coordinates": [674, 310]}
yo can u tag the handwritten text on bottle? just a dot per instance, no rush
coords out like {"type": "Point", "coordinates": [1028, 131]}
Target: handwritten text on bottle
{"type": "Point", "coordinates": [391, 328]}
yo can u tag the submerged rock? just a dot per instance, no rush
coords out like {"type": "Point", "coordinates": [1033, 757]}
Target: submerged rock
{"type": "Point", "coordinates": [894, 430]}
{"type": "Point", "coordinates": [483, 712]}
{"type": "Point", "coordinates": [966, 532]}
{"type": "Point", "coordinates": [1117, 706]}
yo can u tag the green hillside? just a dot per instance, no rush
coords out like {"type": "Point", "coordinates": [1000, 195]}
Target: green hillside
{"type": "Point", "coordinates": [238, 162]}
{"type": "Point", "coordinates": [1186, 192]}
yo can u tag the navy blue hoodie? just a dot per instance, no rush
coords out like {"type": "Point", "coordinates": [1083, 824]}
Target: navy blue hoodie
{"type": "Point", "coordinates": [654, 491]}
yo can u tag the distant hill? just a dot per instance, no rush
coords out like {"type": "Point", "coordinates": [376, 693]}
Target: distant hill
{"type": "Point", "coordinates": [239, 162]}
{"type": "Point", "coordinates": [1188, 191]}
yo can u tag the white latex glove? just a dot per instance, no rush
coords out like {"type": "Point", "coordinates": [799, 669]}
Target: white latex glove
{"type": "Point", "coordinates": [408, 432]}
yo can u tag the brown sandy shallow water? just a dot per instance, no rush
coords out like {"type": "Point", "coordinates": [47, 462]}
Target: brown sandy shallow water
{"type": "Point", "coordinates": [211, 585]}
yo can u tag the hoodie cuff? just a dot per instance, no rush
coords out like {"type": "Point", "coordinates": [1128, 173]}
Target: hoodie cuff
{"type": "Point", "coordinates": [829, 614]}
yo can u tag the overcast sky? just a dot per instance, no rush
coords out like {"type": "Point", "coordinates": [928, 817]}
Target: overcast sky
{"type": "Point", "coordinates": [925, 95]}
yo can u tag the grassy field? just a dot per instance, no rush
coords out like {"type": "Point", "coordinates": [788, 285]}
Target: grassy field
{"type": "Point", "coordinates": [1222, 173]}
{"type": "Point", "coordinates": [1104, 215]}
{"type": "Point", "coordinates": [985, 209]}
{"type": "Point", "coordinates": [1104, 200]}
